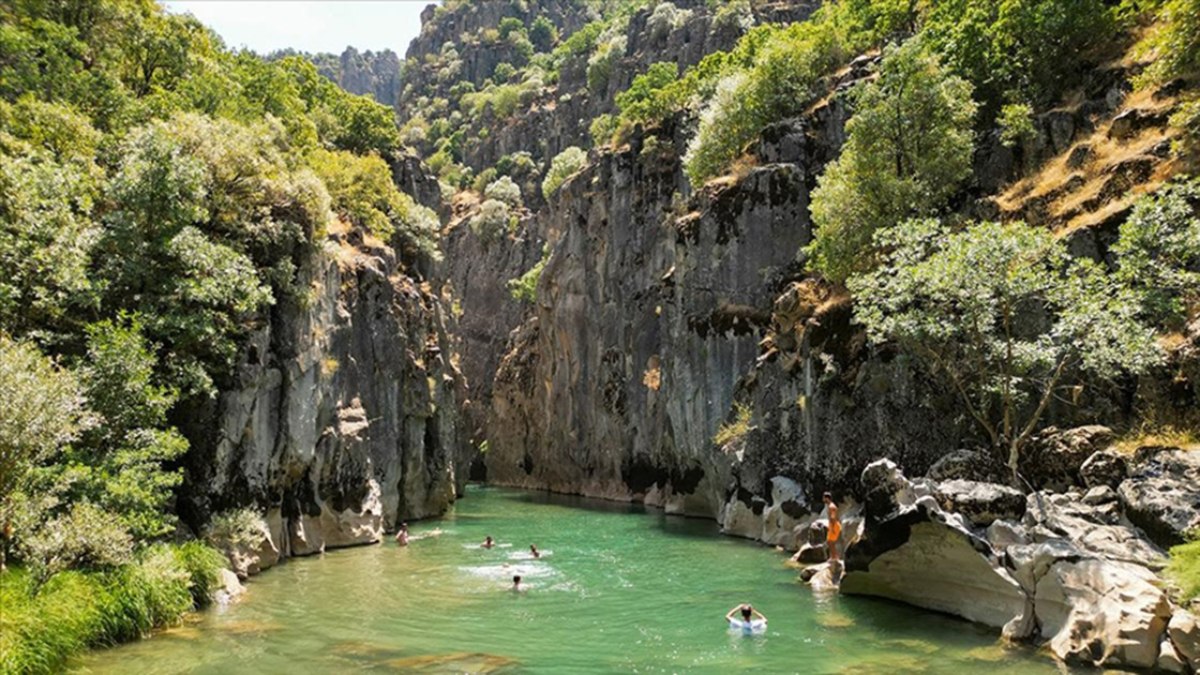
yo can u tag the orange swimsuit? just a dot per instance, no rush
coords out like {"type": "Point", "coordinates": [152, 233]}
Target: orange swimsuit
{"type": "Point", "coordinates": [835, 531]}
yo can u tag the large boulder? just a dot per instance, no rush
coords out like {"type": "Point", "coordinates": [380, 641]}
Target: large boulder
{"type": "Point", "coordinates": [981, 503]}
{"type": "Point", "coordinates": [1162, 493]}
{"type": "Point", "coordinates": [1055, 456]}
{"type": "Point", "coordinates": [1102, 613]}
{"type": "Point", "coordinates": [913, 551]}
{"type": "Point", "coordinates": [1104, 467]}
{"type": "Point", "coordinates": [967, 465]}
{"type": "Point", "coordinates": [1096, 529]}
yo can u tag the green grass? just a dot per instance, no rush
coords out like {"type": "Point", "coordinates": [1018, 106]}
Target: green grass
{"type": "Point", "coordinates": [40, 628]}
{"type": "Point", "coordinates": [1184, 568]}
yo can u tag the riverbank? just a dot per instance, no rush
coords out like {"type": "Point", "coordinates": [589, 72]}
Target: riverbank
{"type": "Point", "coordinates": [42, 625]}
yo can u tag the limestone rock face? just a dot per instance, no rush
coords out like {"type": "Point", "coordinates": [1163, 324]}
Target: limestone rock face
{"type": "Point", "coordinates": [1074, 572]}
{"type": "Point", "coordinates": [343, 418]}
{"type": "Point", "coordinates": [1102, 612]}
{"type": "Point", "coordinates": [1162, 493]}
{"type": "Point", "coordinates": [938, 567]}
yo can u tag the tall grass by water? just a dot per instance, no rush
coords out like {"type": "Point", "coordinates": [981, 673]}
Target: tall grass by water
{"type": "Point", "coordinates": [41, 626]}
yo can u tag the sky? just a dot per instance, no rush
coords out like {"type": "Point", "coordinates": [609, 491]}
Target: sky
{"type": "Point", "coordinates": [309, 25]}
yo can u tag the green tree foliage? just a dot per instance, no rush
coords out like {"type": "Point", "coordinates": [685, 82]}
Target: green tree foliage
{"type": "Point", "coordinates": [524, 287]}
{"type": "Point", "coordinates": [1018, 51]}
{"type": "Point", "coordinates": [543, 34]}
{"type": "Point", "coordinates": [640, 103]}
{"type": "Point", "coordinates": [158, 194]}
{"type": "Point", "coordinates": [907, 150]}
{"type": "Point", "coordinates": [563, 166]}
{"type": "Point", "coordinates": [1177, 42]}
{"type": "Point", "coordinates": [1004, 316]}
{"type": "Point", "coordinates": [1158, 251]}
{"type": "Point", "coordinates": [43, 412]}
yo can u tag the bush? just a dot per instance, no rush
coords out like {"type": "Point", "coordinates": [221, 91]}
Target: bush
{"type": "Point", "coordinates": [665, 18]}
{"type": "Point", "coordinates": [543, 34]}
{"type": "Point", "coordinates": [1176, 44]}
{"type": "Point", "coordinates": [737, 13]}
{"type": "Point", "coordinates": [235, 528]}
{"type": "Point", "coordinates": [1158, 251]}
{"type": "Point", "coordinates": [492, 221]}
{"type": "Point", "coordinates": [43, 625]}
{"type": "Point", "coordinates": [563, 166]}
{"type": "Point", "coordinates": [1016, 124]}
{"type": "Point", "coordinates": [603, 61]}
{"type": "Point", "coordinates": [641, 102]}
{"type": "Point", "coordinates": [524, 287]}
{"type": "Point", "coordinates": [505, 190]}
{"type": "Point", "coordinates": [602, 130]}
{"type": "Point", "coordinates": [735, 429]}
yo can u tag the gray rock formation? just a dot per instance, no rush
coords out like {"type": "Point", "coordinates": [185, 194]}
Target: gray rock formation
{"type": "Point", "coordinates": [1162, 493]}
{"type": "Point", "coordinates": [1075, 574]}
{"type": "Point", "coordinates": [344, 417]}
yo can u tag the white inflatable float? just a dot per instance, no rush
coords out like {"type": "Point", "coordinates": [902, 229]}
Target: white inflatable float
{"type": "Point", "coordinates": [751, 626]}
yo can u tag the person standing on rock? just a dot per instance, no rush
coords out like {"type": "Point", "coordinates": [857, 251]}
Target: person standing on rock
{"type": "Point", "coordinates": [835, 527]}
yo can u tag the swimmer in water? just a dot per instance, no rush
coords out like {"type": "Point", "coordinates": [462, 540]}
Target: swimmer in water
{"type": "Point", "coordinates": [748, 614]}
{"type": "Point", "coordinates": [402, 534]}
{"type": "Point", "coordinates": [488, 543]}
{"type": "Point", "coordinates": [516, 587]}
{"type": "Point", "coordinates": [533, 549]}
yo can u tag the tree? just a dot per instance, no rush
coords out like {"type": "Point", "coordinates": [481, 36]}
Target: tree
{"type": "Point", "coordinates": [907, 150]}
{"type": "Point", "coordinates": [1004, 316]}
{"type": "Point", "coordinates": [1158, 251]}
{"type": "Point", "coordinates": [43, 411]}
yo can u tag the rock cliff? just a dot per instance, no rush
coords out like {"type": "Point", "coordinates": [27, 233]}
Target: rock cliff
{"type": "Point", "coordinates": [344, 418]}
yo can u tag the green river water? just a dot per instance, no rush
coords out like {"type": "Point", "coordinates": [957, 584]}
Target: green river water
{"type": "Point", "coordinates": [619, 588]}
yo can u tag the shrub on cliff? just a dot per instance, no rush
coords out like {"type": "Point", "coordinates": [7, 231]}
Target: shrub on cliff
{"type": "Point", "coordinates": [908, 148]}
{"type": "Point", "coordinates": [505, 190]}
{"type": "Point", "coordinates": [1158, 251]}
{"type": "Point", "coordinates": [1184, 567]}
{"type": "Point", "coordinates": [1004, 317]}
{"type": "Point", "coordinates": [492, 221]}
{"type": "Point", "coordinates": [563, 166]}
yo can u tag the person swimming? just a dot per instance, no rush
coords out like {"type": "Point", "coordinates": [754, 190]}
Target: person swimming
{"type": "Point", "coordinates": [402, 534]}
{"type": "Point", "coordinates": [488, 542]}
{"type": "Point", "coordinates": [534, 551]}
{"type": "Point", "coordinates": [748, 622]}
{"type": "Point", "coordinates": [516, 587]}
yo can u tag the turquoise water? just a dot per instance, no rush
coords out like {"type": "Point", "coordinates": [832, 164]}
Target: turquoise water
{"type": "Point", "coordinates": [619, 589]}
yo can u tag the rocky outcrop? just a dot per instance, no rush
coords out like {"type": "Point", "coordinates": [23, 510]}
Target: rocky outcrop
{"type": "Point", "coordinates": [343, 418]}
{"type": "Point", "coordinates": [1074, 572]}
{"type": "Point", "coordinates": [1162, 493]}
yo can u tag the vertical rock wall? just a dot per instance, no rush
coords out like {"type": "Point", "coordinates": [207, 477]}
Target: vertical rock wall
{"type": "Point", "coordinates": [344, 418]}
